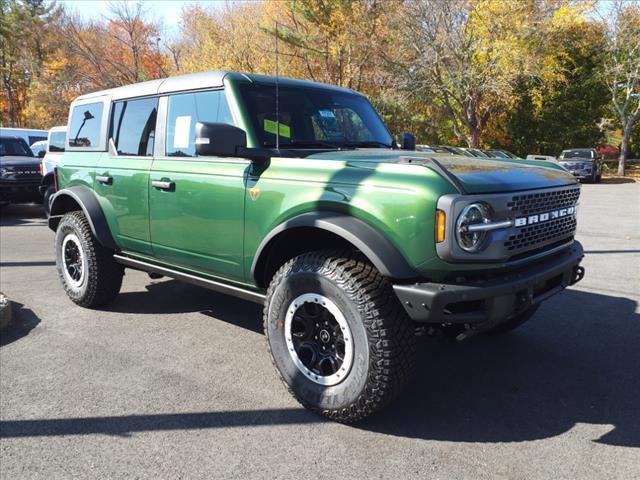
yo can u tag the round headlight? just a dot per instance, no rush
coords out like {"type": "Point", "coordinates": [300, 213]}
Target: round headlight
{"type": "Point", "coordinates": [469, 239]}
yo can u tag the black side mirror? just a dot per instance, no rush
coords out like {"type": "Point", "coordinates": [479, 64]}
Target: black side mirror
{"type": "Point", "coordinates": [407, 141]}
{"type": "Point", "coordinates": [41, 154]}
{"type": "Point", "coordinates": [219, 139]}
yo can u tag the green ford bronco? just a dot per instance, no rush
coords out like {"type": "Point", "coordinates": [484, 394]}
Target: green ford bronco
{"type": "Point", "coordinates": [294, 194]}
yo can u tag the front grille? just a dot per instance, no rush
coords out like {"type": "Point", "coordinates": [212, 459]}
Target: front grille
{"type": "Point", "coordinates": [540, 202]}
{"type": "Point", "coordinates": [532, 236]}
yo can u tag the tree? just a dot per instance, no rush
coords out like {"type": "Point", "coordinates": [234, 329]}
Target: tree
{"type": "Point", "coordinates": [123, 50]}
{"type": "Point", "coordinates": [567, 111]}
{"type": "Point", "coordinates": [622, 70]}
{"type": "Point", "coordinates": [21, 55]}
{"type": "Point", "coordinates": [472, 55]}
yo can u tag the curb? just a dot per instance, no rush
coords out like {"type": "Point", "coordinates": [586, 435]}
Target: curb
{"type": "Point", "coordinates": [5, 311]}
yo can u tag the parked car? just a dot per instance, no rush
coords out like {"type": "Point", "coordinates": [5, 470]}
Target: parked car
{"type": "Point", "coordinates": [351, 244]}
{"type": "Point", "coordinates": [428, 149]}
{"type": "Point", "coordinates": [29, 135]}
{"type": "Point", "coordinates": [544, 158]}
{"type": "Point", "coordinates": [55, 149]}
{"type": "Point", "coordinates": [501, 154]}
{"type": "Point", "coordinates": [39, 148]}
{"type": "Point", "coordinates": [19, 172]}
{"type": "Point", "coordinates": [583, 163]}
{"type": "Point", "coordinates": [457, 151]}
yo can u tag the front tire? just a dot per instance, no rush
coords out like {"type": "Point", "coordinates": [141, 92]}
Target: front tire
{"type": "Point", "coordinates": [338, 336]}
{"type": "Point", "coordinates": [89, 274]}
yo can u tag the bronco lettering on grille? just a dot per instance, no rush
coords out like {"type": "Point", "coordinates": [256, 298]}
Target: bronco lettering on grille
{"type": "Point", "coordinates": [543, 217]}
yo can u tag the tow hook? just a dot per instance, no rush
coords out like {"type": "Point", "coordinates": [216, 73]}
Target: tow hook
{"type": "Point", "coordinates": [578, 274]}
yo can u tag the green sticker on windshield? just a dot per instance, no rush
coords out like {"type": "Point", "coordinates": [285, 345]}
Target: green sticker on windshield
{"type": "Point", "coordinates": [270, 127]}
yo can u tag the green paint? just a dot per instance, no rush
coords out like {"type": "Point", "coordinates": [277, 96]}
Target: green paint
{"type": "Point", "coordinates": [209, 224]}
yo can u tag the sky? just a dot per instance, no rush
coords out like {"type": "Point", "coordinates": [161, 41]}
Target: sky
{"type": "Point", "coordinates": [166, 11]}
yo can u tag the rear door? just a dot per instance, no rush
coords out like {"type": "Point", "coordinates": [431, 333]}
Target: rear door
{"type": "Point", "coordinates": [197, 203]}
{"type": "Point", "coordinates": [122, 176]}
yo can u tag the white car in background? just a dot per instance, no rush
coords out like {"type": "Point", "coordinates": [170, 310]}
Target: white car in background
{"type": "Point", "coordinates": [29, 135]}
{"type": "Point", "coordinates": [55, 149]}
{"type": "Point", "coordinates": [547, 158]}
{"type": "Point", "coordinates": [39, 148]}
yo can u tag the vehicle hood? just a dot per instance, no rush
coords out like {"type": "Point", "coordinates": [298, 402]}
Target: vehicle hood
{"type": "Point", "coordinates": [17, 161]}
{"type": "Point", "coordinates": [476, 175]}
{"type": "Point", "coordinates": [575, 160]}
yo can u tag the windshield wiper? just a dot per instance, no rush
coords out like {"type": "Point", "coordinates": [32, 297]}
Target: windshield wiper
{"type": "Point", "coordinates": [369, 143]}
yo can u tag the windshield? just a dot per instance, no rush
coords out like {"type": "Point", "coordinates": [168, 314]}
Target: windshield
{"type": "Point", "coordinates": [14, 147]}
{"type": "Point", "coordinates": [496, 154]}
{"type": "Point", "coordinates": [56, 141]}
{"type": "Point", "coordinates": [313, 118]}
{"type": "Point", "coordinates": [577, 154]}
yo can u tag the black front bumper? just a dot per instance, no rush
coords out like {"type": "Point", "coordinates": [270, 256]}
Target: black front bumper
{"type": "Point", "coordinates": [16, 192]}
{"type": "Point", "coordinates": [495, 299]}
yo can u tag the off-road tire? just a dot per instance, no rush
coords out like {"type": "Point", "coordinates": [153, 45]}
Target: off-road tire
{"type": "Point", "coordinates": [383, 335]}
{"type": "Point", "coordinates": [513, 322]}
{"type": "Point", "coordinates": [103, 276]}
{"type": "Point", "coordinates": [46, 199]}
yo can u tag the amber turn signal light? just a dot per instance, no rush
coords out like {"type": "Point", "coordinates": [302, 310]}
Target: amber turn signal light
{"type": "Point", "coordinates": [440, 222]}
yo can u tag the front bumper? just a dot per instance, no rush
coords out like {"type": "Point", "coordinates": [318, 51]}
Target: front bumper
{"type": "Point", "coordinates": [20, 191]}
{"type": "Point", "coordinates": [495, 299]}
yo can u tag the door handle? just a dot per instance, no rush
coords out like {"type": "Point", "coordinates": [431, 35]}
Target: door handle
{"type": "Point", "coordinates": [104, 179]}
{"type": "Point", "coordinates": [163, 185]}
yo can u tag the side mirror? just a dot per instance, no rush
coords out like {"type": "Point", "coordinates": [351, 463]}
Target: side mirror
{"type": "Point", "coordinates": [41, 154]}
{"type": "Point", "coordinates": [219, 139]}
{"type": "Point", "coordinates": [407, 141]}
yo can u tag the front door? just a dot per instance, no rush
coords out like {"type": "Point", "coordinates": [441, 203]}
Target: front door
{"type": "Point", "coordinates": [197, 203]}
{"type": "Point", "coordinates": [122, 177]}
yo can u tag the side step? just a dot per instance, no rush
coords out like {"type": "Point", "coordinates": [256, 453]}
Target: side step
{"type": "Point", "coordinates": [239, 292]}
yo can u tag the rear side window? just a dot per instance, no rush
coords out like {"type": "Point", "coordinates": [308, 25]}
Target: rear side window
{"type": "Point", "coordinates": [185, 111]}
{"type": "Point", "coordinates": [56, 142]}
{"type": "Point", "coordinates": [84, 129]}
{"type": "Point", "coordinates": [133, 126]}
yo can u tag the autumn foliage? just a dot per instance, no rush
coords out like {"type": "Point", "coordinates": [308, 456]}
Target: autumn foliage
{"type": "Point", "coordinates": [533, 76]}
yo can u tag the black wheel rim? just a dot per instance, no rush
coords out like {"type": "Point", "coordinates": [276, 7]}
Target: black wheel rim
{"type": "Point", "coordinates": [319, 339]}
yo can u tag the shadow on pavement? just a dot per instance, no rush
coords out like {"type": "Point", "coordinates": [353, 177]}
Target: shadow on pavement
{"type": "Point", "coordinates": [172, 296]}
{"type": "Point", "coordinates": [22, 214]}
{"type": "Point", "coordinates": [577, 361]}
{"type": "Point", "coordinates": [23, 321]}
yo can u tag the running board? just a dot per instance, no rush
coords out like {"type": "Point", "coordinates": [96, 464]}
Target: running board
{"type": "Point", "coordinates": [239, 292]}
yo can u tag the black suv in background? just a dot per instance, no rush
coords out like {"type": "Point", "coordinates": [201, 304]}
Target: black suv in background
{"type": "Point", "coordinates": [583, 163]}
{"type": "Point", "coordinates": [19, 172]}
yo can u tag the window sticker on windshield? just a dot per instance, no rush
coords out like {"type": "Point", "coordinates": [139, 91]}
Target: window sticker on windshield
{"type": "Point", "coordinates": [327, 114]}
{"type": "Point", "coordinates": [181, 134]}
{"type": "Point", "coordinates": [270, 127]}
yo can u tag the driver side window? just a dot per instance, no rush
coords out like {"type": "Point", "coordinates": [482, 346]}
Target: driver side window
{"type": "Point", "coordinates": [187, 109]}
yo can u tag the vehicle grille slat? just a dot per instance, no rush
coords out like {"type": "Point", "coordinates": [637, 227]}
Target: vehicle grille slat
{"type": "Point", "coordinates": [534, 236]}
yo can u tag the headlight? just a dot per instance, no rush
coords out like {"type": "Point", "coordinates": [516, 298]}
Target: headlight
{"type": "Point", "coordinates": [470, 239]}
{"type": "Point", "coordinates": [7, 171]}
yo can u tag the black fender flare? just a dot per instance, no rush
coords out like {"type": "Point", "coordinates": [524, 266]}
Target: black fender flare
{"type": "Point", "coordinates": [375, 246]}
{"type": "Point", "coordinates": [65, 201]}
{"type": "Point", "coordinates": [46, 181]}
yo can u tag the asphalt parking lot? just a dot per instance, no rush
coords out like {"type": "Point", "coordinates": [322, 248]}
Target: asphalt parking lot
{"type": "Point", "coordinates": [172, 381]}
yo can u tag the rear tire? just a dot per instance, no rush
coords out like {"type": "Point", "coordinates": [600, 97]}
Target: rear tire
{"type": "Point", "coordinates": [89, 274]}
{"type": "Point", "coordinates": [338, 301]}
